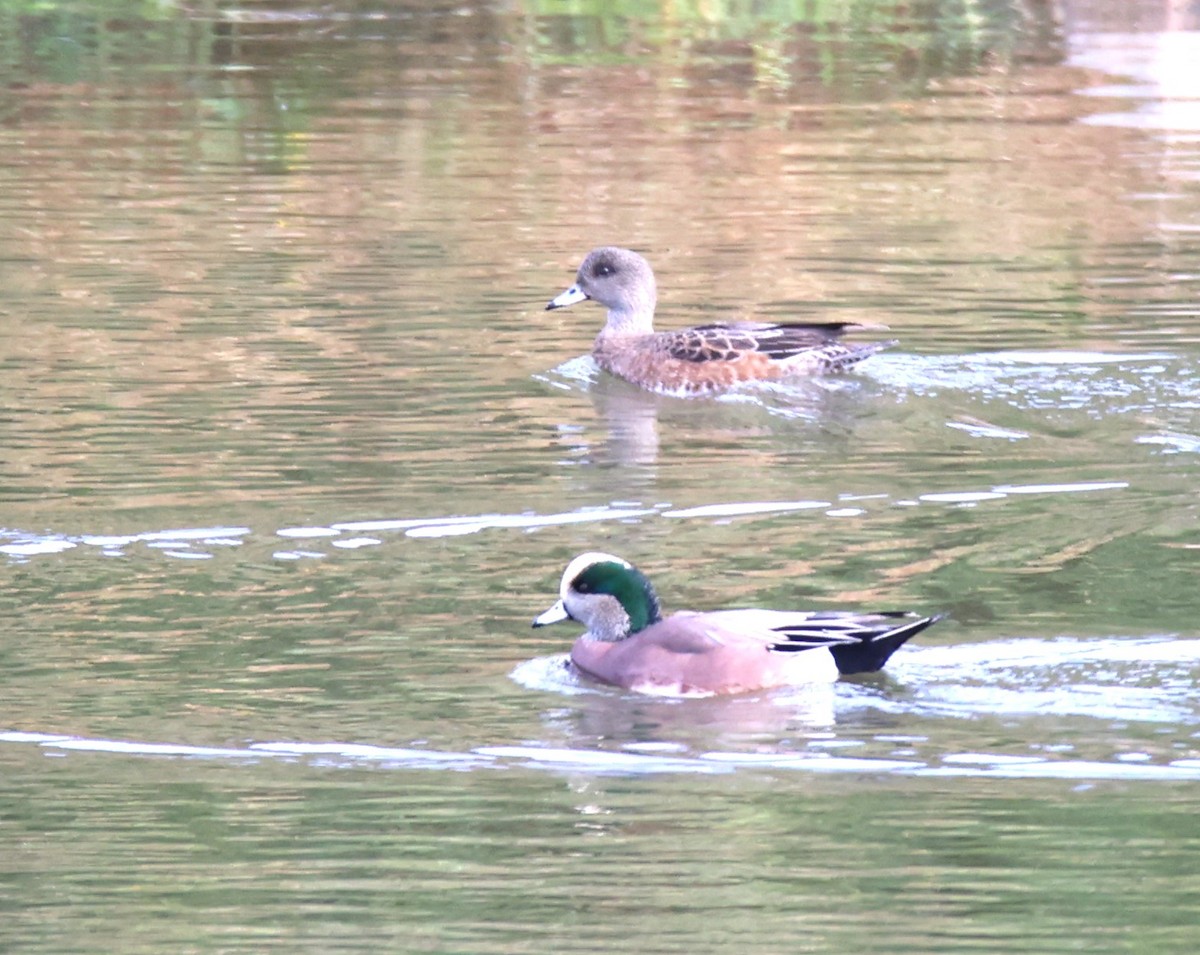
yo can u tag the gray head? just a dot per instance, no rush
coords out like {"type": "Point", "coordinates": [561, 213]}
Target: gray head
{"type": "Point", "coordinates": [619, 279]}
{"type": "Point", "coordinates": [608, 595]}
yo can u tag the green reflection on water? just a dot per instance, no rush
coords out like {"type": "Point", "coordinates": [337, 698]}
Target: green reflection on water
{"type": "Point", "coordinates": [900, 46]}
{"type": "Point", "coordinates": [154, 853]}
{"type": "Point", "coordinates": [912, 43]}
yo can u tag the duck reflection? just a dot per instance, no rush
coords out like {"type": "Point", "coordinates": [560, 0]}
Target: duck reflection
{"type": "Point", "coordinates": [633, 417]}
{"type": "Point", "coordinates": [717, 723]}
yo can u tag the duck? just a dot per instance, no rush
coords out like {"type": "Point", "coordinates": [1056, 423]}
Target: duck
{"type": "Point", "coordinates": [630, 644]}
{"type": "Point", "coordinates": [706, 359]}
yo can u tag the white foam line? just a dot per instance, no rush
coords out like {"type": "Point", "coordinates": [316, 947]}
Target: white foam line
{"type": "Point", "coordinates": [819, 762]}
{"type": "Point", "coordinates": [961, 497]}
{"type": "Point", "coordinates": [989, 759]}
{"type": "Point", "coordinates": [1178, 442]}
{"type": "Point", "coordinates": [18, 736]}
{"type": "Point", "coordinates": [976, 765]}
{"type": "Point", "coordinates": [445, 530]}
{"type": "Point", "coordinates": [739, 510]}
{"type": "Point", "coordinates": [598, 761]}
{"type": "Point", "coordinates": [191, 533]}
{"type": "Point", "coordinates": [1073, 357]}
{"type": "Point", "coordinates": [400, 524]}
{"type": "Point", "coordinates": [1060, 488]}
{"type": "Point", "coordinates": [147, 749]}
{"type": "Point", "coordinates": [480, 521]}
{"type": "Point", "coordinates": [353, 543]}
{"type": "Point", "coordinates": [30, 548]}
{"type": "Point", "coordinates": [1069, 769]}
{"type": "Point", "coordinates": [254, 751]}
{"type": "Point", "coordinates": [987, 431]}
{"type": "Point", "coordinates": [359, 751]}
{"type": "Point", "coordinates": [473, 525]}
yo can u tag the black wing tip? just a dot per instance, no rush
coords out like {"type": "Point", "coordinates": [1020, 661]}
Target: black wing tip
{"type": "Point", "coordinates": [835, 329]}
{"type": "Point", "coordinates": [873, 653]}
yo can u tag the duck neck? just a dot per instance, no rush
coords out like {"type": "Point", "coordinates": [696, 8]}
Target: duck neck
{"type": "Point", "coordinates": [635, 317]}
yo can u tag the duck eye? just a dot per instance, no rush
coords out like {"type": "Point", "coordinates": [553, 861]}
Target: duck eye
{"type": "Point", "coordinates": [604, 268]}
{"type": "Point", "coordinates": [583, 587]}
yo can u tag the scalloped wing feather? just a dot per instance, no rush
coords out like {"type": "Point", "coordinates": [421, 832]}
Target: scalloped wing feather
{"type": "Point", "coordinates": [729, 341]}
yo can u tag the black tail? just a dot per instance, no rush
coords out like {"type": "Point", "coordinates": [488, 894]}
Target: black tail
{"type": "Point", "coordinates": [872, 653]}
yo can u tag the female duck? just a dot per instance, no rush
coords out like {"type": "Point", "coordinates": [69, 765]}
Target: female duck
{"type": "Point", "coordinates": [703, 360]}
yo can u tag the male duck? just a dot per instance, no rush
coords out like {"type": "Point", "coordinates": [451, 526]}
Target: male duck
{"type": "Point", "coordinates": [630, 644]}
{"type": "Point", "coordinates": [703, 360]}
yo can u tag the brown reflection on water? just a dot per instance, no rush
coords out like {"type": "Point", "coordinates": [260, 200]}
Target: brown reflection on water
{"type": "Point", "coordinates": [497, 160]}
{"type": "Point", "coordinates": [309, 258]}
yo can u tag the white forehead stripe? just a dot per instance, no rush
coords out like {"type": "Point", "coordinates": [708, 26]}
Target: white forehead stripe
{"type": "Point", "coordinates": [581, 563]}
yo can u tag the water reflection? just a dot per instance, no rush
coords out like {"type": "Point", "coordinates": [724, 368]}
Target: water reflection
{"type": "Point", "coordinates": [289, 446]}
{"type": "Point", "coordinates": [632, 417]}
{"type": "Point", "coordinates": [1112, 683]}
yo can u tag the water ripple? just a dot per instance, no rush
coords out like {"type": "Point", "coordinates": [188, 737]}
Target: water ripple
{"type": "Point", "coordinates": [606, 763]}
{"type": "Point", "coordinates": [186, 543]}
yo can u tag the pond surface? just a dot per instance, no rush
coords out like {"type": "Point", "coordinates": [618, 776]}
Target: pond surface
{"type": "Point", "coordinates": [292, 455]}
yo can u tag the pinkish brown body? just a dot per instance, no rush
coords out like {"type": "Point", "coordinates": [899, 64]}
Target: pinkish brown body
{"type": "Point", "coordinates": [630, 644]}
{"type": "Point", "coordinates": [689, 654]}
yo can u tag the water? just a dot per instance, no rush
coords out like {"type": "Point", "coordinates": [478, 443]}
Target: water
{"type": "Point", "coordinates": [292, 455]}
